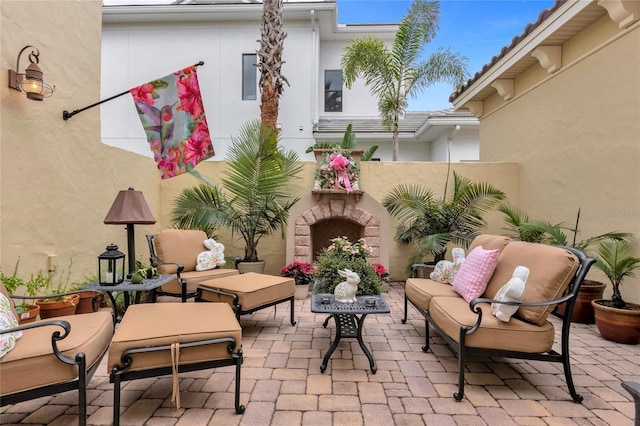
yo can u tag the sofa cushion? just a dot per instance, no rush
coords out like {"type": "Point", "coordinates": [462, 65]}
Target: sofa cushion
{"type": "Point", "coordinates": [550, 271]}
{"type": "Point", "coordinates": [420, 291]}
{"type": "Point", "coordinates": [451, 313]}
{"type": "Point", "coordinates": [471, 279]}
{"type": "Point", "coordinates": [23, 367]}
{"type": "Point", "coordinates": [179, 246]}
{"type": "Point", "coordinates": [253, 289]}
{"type": "Point", "coordinates": [489, 242]}
{"type": "Point", "coordinates": [148, 325]}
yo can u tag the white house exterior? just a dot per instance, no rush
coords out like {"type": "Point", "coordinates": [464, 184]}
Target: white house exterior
{"type": "Point", "coordinates": [143, 42]}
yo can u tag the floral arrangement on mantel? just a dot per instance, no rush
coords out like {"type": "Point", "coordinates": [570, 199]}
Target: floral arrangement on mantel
{"type": "Point", "coordinates": [301, 272]}
{"type": "Point", "coordinates": [343, 254]}
{"type": "Point", "coordinates": [337, 170]}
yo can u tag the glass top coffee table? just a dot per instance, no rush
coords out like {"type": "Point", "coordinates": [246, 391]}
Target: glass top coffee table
{"type": "Point", "coordinates": [349, 319]}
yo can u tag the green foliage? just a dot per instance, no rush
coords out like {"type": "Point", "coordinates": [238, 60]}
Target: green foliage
{"type": "Point", "coordinates": [541, 231]}
{"type": "Point", "coordinates": [432, 223]}
{"type": "Point", "coordinates": [343, 254]}
{"type": "Point", "coordinates": [348, 142]}
{"type": "Point", "coordinates": [397, 74]}
{"type": "Point", "coordinates": [614, 259]}
{"type": "Point", "coordinates": [253, 198]}
{"type": "Point", "coordinates": [12, 282]}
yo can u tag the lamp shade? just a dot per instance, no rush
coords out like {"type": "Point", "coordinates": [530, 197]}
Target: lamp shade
{"type": "Point", "coordinates": [129, 207]}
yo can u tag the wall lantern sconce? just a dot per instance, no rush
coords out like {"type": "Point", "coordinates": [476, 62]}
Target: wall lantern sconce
{"type": "Point", "coordinates": [31, 82]}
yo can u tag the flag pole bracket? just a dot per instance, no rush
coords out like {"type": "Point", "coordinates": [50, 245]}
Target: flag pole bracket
{"type": "Point", "coordinates": [67, 115]}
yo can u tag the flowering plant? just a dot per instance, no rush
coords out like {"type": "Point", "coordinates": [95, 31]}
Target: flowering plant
{"type": "Point", "coordinates": [339, 171]}
{"type": "Point", "coordinates": [343, 254]}
{"type": "Point", "coordinates": [301, 272]}
{"type": "Point", "coordinates": [380, 270]}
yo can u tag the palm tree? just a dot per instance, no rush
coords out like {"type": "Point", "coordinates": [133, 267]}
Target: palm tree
{"type": "Point", "coordinates": [253, 199]}
{"type": "Point", "coordinates": [270, 61]}
{"type": "Point", "coordinates": [394, 75]}
{"type": "Point", "coordinates": [431, 223]}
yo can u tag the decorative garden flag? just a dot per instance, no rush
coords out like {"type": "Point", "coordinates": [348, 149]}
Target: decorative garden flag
{"type": "Point", "coordinates": [172, 115]}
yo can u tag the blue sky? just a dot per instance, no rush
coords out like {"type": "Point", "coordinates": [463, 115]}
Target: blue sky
{"type": "Point", "coordinates": [478, 29]}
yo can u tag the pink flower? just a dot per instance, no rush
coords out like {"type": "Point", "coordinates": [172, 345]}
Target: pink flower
{"type": "Point", "coordinates": [198, 146]}
{"type": "Point", "coordinates": [143, 93]}
{"type": "Point", "coordinates": [189, 94]}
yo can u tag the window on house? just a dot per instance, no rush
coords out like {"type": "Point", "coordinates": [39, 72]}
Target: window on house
{"type": "Point", "coordinates": [249, 73]}
{"type": "Point", "coordinates": [332, 91]}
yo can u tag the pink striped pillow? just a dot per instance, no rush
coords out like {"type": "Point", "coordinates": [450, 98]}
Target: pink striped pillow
{"type": "Point", "coordinates": [474, 274]}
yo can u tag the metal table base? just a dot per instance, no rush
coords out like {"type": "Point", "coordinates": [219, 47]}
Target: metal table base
{"type": "Point", "coordinates": [349, 319]}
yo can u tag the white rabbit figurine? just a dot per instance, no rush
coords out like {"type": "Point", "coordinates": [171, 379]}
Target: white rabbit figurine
{"type": "Point", "coordinates": [345, 292]}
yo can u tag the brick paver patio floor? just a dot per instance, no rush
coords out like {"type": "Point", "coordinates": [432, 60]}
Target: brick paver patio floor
{"type": "Point", "coordinates": [282, 383]}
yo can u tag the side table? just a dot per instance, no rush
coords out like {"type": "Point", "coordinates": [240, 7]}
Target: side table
{"type": "Point", "coordinates": [348, 323]}
{"type": "Point", "coordinates": [126, 287]}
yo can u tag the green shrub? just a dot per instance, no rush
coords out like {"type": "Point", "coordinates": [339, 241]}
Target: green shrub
{"type": "Point", "coordinates": [343, 254]}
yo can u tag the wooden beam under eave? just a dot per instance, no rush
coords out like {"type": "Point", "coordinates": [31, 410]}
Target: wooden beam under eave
{"type": "Point", "coordinates": [476, 108]}
{"type": "Point", "coordinates": [505, 87]}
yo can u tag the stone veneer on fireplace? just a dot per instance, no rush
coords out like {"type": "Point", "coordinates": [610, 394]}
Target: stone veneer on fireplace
{"type": "Point", "coordinates": [317, 209]}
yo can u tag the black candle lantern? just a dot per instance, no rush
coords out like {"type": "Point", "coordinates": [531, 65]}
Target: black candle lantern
{"type": "Point", "coordinates": [111, 266]}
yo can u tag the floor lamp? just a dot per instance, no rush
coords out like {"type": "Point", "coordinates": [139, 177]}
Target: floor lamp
{"type": "Point", "coordinates": [130, 208]}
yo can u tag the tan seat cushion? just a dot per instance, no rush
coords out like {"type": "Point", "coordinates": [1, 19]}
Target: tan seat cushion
{"type": "Point", "coordinates": [253, 289]}
{"type": "Point", "coordinates": [194, 278]}
{"type": "Point", "coordinates": [148, 325]}
{"type": "Point", "coordinates": [32, 364]}
{"type": "Point", "coordinates": [516, 335]}
{"type": "Point", "coordinates": [179, 246]}
{"type": "Point", "coordinates": [420, 291]}
{"type": "Point", "coordinates": [550, 271]}
{"type": "Point", "coordinates": [489, 242]}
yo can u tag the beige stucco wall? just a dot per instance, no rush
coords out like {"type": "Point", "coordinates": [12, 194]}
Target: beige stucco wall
{"type": "Point", "coordinates": [577, 137]}
{"type": "Point", "coordinates": [57, 180]}
{"type": "Point", "coordinates": [377, 180]}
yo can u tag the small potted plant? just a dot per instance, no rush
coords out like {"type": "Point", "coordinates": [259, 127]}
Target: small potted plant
{"type": "Point", "coordinates": [59, 303]}
{"type": "Point", "coordinates": [26, 312]}
{"type": "Point", "coordinates": [616, 319]}
{"type": "Point", "coordinates": [302, 273]}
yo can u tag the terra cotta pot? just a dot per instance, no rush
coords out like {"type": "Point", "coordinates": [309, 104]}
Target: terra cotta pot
{"type": "Point", "coordinates": [58, 308]}
{"type": "Point", "coordinates": [618, 325]}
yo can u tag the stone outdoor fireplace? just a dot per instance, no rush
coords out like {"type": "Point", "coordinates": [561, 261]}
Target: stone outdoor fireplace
{"type": "Point", "coordinates": [331, 212]}
{"type": "Point", "coordinates": [315, 220]}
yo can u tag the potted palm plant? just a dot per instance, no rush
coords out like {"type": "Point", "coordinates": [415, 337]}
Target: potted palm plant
{"type": "Point", "coordinates": [616, 319]}
{"type": "Point", "coordinates": [252, 199]}
{"type": "Point", "coordinates": [432, 223]}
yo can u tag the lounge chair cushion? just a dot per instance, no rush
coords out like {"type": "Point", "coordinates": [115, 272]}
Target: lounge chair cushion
{"type": "Point", "coordinates": [32, 364]}
{"type": "Point", "coordinates": [253, 289]}
{"type": "Point", "coordinates": [179, 245]}
{"type": "Point", "coordinates": [451, 313]}
{"type": "Point", "coordinates": [148, 325]}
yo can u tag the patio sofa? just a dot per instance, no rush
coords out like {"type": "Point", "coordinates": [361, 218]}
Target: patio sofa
{"type": "Point", "coordinates": [52, 356]}
{"type": "Point", "coordinates": [469, 327]}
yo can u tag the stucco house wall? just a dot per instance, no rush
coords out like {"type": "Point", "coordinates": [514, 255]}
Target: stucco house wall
{"type": "Point", "coordinates": [57, 180]}
{"type": "Point", "coordinates": [575, 133]}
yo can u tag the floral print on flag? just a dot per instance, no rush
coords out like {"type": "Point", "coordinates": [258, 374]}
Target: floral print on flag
{"type": "Point", "coordinates": [172, 115]}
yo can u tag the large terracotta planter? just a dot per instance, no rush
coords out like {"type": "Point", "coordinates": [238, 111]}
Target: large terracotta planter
{"type": "Point", "coordinates": [29, 315]}
{"type": "Point", "coordinates": [58, 308]}
{"type": "Point", "coordinates": [618, 325]}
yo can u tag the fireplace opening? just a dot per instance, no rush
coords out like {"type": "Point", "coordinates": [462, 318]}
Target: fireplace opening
{"type": "Point", "coordinates": [323, 231]}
